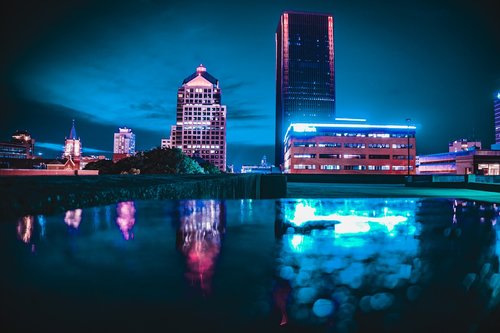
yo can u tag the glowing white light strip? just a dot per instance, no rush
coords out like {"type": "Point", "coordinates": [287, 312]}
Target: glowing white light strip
{"type": "Point", "coordinates": [312, 127]}
{"type": "Point", "coordinates": [301, 125]}
{"type": "Point", "coordinates": [350, 119]}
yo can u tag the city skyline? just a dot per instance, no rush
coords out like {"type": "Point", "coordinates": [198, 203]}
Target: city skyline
{"type": "Point", "coordinates": [107, 66]}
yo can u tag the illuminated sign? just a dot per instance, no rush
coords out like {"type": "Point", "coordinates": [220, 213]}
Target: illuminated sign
{"type": "Point", "coordinates": [303, 128]}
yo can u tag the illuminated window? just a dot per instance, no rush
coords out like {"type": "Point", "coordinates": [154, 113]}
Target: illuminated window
{"type": "Point", "coordinates": [304, 167]}
{"type": "Point", "coordinates": [330, 167]}
{"type": "Point", "coordinates": [354, 156]}
{"type": "Point", "coordinates": [304, 156]}
{"type": "Point", "coordinates": [354, 145]}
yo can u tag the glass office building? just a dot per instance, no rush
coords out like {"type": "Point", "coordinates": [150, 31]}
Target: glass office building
{"type": "Point", "coordinates": [305, 73]}
{"type": "Point", "coordinates": [497, 118]}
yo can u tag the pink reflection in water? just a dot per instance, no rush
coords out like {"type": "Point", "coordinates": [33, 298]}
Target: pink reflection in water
{"type": "Point", "coordinates": [199, 239]}
{"type": "Point", "coordinates": [73, 218]}
{"type": "Point", "coordinates": [126, 218]}
{"type": "Point", "coordinates": [25, 228]}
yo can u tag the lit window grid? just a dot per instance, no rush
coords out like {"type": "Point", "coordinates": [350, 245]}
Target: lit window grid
{"type": "Point", "coordinates": [201, 125]}
{"type": "Point", "coordinates": [124, 143]}
{"type": "Point", "coordinates": [392, 160]}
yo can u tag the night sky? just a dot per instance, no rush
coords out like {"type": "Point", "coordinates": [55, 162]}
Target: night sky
{"type": "Point", "coordinates": [119, 63]}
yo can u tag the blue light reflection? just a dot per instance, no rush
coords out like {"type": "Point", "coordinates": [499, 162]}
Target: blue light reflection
{"type": "Point", "coordinates": [343, 254]}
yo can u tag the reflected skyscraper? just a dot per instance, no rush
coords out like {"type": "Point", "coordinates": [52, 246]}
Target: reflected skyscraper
{"type": "Point", "coordinates": [126, 218]}
{"type": "Point", "coordinates": [202, 224]}
{"type": "Point", "coordinates": [73, 218]}
{"type": "Point", "coordinates": [25, 228]}
{"type": "Point", "coordinates": [305, 73]}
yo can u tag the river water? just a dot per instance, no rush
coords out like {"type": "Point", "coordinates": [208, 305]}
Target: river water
{"type": "Point", "coordinates": [325, 265]}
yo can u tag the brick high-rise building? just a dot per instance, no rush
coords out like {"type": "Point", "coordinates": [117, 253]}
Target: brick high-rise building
{"type": "Point", "coordinates": [200, 129]}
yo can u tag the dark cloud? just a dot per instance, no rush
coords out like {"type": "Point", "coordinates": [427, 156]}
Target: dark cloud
{"type": "Point", "coordinates": [149, 106]}
{"type": "Point", "coordinates": [229, 87]}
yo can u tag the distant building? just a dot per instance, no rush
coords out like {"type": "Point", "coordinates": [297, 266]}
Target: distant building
{"type": "Point", "coordinates": [497, 118]}
{"type": "Point", "coordinates": [496, 109]}
{"type": "Point", "coordinates": [21, 145]}
{"type": "Point", "coordinates": [165, 143]}
{"type": "Point", "coordinates": [263, 168]}
{"type": "Point", "coordinates": [124, 144]}
{"type": "Point", "coordinates": [68, 164]}
{"type": "Point", "coordinates": [305, 72]}
{"type": "Point", "coordinates": [463, 144]}
{"type": "Point", "coordinates": [349, 148]}
{"type": "Point", "coordinates": [73, 147]}
{"type": "Point", "coordinates": [200, 129]}
{"type": "Point", "coordinates": [481, 162]}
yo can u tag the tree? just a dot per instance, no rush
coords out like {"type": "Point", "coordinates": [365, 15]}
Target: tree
{"type": "Point", "coordinates": [105, 167]}
{"type": "Point", "coordinates": [155, 161]}
{"type": "Point", "coordinates": [189, 166]}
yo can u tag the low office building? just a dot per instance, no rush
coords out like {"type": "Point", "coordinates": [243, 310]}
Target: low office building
{"type": "Point", "coordinates": [463, 144]}
{"type": "Point", "coordinates": [20, 146]}
{"type": "Point", "coordinates": [479, 162]}
{"type": "Point", "coordinates": [348, 148]}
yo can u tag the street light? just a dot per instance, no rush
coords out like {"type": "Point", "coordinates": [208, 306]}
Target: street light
{"type": "Point", "coordinates": [408, 142]}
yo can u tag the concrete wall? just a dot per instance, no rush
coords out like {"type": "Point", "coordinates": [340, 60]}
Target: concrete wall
{"type": "Point", "coordinates": [39, 194]}
{"type": "Point", "coordinates": [45, 172]}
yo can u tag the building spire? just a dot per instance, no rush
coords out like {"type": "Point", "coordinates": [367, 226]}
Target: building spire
{"type": "Point", "coordinates": [72, 133]}
{"type": "Point", "coordinates": [201, 69]}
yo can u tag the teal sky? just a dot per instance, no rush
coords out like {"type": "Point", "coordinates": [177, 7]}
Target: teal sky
{"type": "Point", "coordinates": [108, 65]}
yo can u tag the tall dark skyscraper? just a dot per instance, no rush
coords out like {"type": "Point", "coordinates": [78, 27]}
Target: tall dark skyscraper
{"type": "Point", "coordinates": [305, 73]}
{"type": "Point", "coordinates": [497, 118]}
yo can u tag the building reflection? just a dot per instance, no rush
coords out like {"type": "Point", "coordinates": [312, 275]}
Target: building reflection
{"type": "Point", "coordinates": [24, 228]}
{"type": "Point", "coordinates": [42, 222]}
{"type": "Point", "coordinates": [125, 218]}
{"type": "Point", "coordinates": [72, 218]}
{"type": "Point", "coordinates": [202, 225]}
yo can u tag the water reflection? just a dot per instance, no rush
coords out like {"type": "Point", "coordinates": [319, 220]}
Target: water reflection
{"type": "Point", "coordinates": [342, 260]}
{"type": "Point", "coordinates": [25, 228]}
{"type": "Point", "coordinates": [73, 218]}
{"type": "Point", "coordinates": [338, 255]}
{"type": "Point", "coordinates": [202, 224]}
{"type": "Point", "coordinates": [126, 218]}
{"type": "Point", "coordinates": [42, 222]}
{"type": "Point", "coordinates": [347, 264]}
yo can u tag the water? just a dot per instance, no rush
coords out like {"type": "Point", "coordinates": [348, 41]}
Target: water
{"type": "Point", "coordinates": [337, 265]}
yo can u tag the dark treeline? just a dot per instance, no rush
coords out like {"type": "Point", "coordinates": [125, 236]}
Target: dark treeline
{"type": "Point", "coordinates": [155, 161]}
